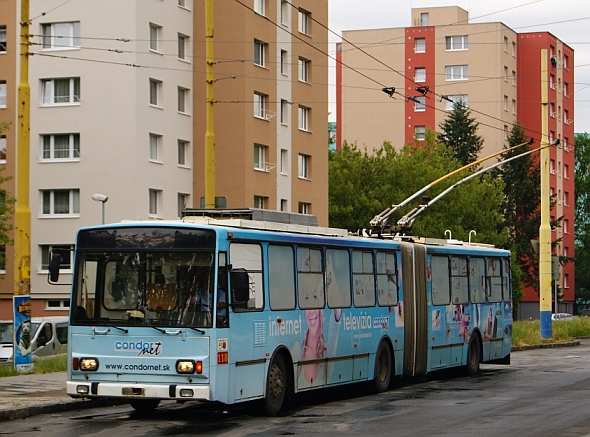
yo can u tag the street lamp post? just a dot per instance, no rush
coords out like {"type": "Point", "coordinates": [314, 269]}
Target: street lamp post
{"type": "Point", "coordinates": [102, 199]}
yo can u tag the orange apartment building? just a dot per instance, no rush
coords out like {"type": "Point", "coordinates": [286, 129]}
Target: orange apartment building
{"type": "Point", "coordinates": [494, 69]}
{"type": "Point", "coordinates": [271, 114]}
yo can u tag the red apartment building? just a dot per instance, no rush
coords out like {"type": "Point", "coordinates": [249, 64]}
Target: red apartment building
{"type": "Point", "coordinates": [494, 69]}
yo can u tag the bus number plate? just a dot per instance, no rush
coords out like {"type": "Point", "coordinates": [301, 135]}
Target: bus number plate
{"type": "Point", "coordinates": [222, 357]}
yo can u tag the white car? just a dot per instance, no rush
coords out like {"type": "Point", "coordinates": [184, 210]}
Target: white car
{"type": "Point", "coordinates": [49, 337]}
{"type": "Point", "coordinates": [562, 316]}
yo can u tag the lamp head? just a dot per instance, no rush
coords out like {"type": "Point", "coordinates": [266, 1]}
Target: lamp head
{"type": "Point", "coordinates": [100, 197]}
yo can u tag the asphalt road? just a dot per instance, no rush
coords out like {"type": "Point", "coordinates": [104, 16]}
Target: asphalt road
{"type": "Point", "coordinates": [544, 392]}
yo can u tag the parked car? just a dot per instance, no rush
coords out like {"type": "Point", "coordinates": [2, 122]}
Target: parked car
{"type": "Point", "coordinates": [49, 337]}
{"type": "Point", "coordinates": [562, 316]}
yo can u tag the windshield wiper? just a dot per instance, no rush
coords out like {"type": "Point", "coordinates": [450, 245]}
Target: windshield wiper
{"type": "Point", "coordinates": [120, 329]}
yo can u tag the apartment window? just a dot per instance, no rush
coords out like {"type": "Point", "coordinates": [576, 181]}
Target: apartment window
{"type": "Point", "coordinates": [303, 165]}
{"type": "Point", "coordinates": [566, 116]}
{"type": "Point", "coordinates": [3, 145]}
{"type": "Point", "coordinates": [284, 112]}
{"type": "Point", "coordinates": [155, 90]}
{"type": "Point", "coordinates": [459, 42]}
{"type": "Point", "coordinates": [64, 251]}
{"type": "Point", "coordinates": [284, 162]}
{"type": "Point", "coordinates": [284, 12]}
{"type": "Point", "coordinates": [183, 153]}
{"type": "Point", "coordinates": [284, 205]}
{"type": "Point", "coordinates": [155, 32]}
{"type": "Point", "coordinates": [260, 7]}
{"type": "Point", "coordinates": [566, 171]}
{"type": "Point", "coordinates": [304, 21]}
{"type": "Point", "coordinates": [61, 146]}
{"type": "Point", "coordinates": [565, 89]}
{"type": "Point", "coordinates": [260, 202]}
{"type": "Point", "coordinates": [303, 118]}
{"type": "Point", "coordinates": [420, 45]}
{"type": "Point", "coordinates": [304, 208]}
{"type": "Point", "coordinates": [260, 152]}
{"type": "Point", "coordinates": [506, 44]}
{"type": "Point", "coordinates": [566, 198]}
{"type": "Point", "coordinates": [513, 77]}
{"type": "Point", "coordinates": [155, 146]}
{"type": "Point", "coordinates": [552, 81]}
{"type": "Point", "coordinates": [505, 132]}
{"type": "Point", "coordinates": [284, 62]}
{"type": "Point", "coordinates": [2, 94]}
{"type": "Point", "coordinates": [505, 103]}
{"type": "Point", "coordinates": [505, 73]}
{"type": "Point", "coordinates": [513, 106]}
{"type": "Point", "coordinates": [259, 53]}
{"type": "Point", "coordinates": [3, 259]}
{"type": "Point", "coordinates": [456, 72]}
{"type": "Point", "coordinates": [60, 91]}
{"type": "Point", "coordinates": [61, 35]}
{"type": "Point", "coordinates": [456, 98]}
{"type": "Point", "coordinates": [154, 202]}
{"type": "Point", "coordinates": [304, 68]}
{"type": "Point", "coordinates": [424, 19]}
{"type": "Point", "coordinates": [182, 200]}
{"type": "Point", "coordinates": [565, 57]}
{"type": "Point", "coordinates": [2, 39]}
{"type": "Point", "coordinates": [552, 166]}
{"type": "Point", "coordinates": [420, 74]}
{"type": "Point", "coordinates": [552, 112]}
{"type": "Point", "coordinates": [420, 104]}
{"type": "Point", "coordinates": [260, 105]}
{"type": "Point", "coordinates": [513, 48]}
{"type": "Point", "coordinates": [566, 280]}
{"type": "Point", "coordinates": [183, 100]}
{"type": "Point", "coordinates": [566, 226]}
{"type": "Point", "coordinates": [60, 202]}
{"type": "Point", "coordinates": [182, 40]}
{"type": "Point", "coordinates": [183, 3]}
{"type": "Point", "coordinates": [420, 133]}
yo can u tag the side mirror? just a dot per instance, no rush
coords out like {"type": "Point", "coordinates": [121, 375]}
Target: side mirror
{"type": "Point", "coordinates": [240, 287]}
{"type": "Point", "coordinates": [54, 264]}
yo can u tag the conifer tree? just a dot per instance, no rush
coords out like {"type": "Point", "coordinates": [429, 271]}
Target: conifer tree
{"type": "Point", "coordinates": [459, 133]}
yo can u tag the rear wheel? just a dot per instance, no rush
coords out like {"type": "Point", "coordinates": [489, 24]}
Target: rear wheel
{"type": "Point", "coordinates": [144, 405]}
{"type": "Point", "coordinates": [473, 356]}
{"type": "Point", "coordinates": [382, 368]}
{"type": "Point", "coordinates": [276, 386]}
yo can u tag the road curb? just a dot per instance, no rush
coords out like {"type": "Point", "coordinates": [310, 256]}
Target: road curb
{"type": "Point", "coordinates": [78, 404]}
{"type": "Point", "coordinates": [546, 346]}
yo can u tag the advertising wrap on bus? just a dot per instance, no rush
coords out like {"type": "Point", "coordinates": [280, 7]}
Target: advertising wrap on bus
{"type": "Point", "coordinates": [197, 310]}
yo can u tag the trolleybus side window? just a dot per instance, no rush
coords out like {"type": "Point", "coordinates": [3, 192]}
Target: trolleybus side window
{"type": "Point", "coordinates": [494, 279]}
{"type": "Point", "coordinates": [506, 280]}
{"type": "Point", "coordinates": [310, 278]}
{"type": "Point", "coordinates": [363, 278]}
{"type": "Point", "coordinates": [281, 277]}
{"type": "Point", "coordinates": [387, 288]}
{"type": "Point", "coordinates": [338, 278]}
{"type": "Point", "coordinates": [476, 280]}
{"type": "Point", "coordinates": [249, 258]}
{"type": "Point", "coordinates": [439, 266]}
{"type": "Point", "coordinates": [459, 288]}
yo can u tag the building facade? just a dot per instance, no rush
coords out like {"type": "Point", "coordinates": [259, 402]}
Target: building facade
{"type": "Point", "coordinates": [118, 109]}
{"type": "Point", "coordinates": [442, 58]}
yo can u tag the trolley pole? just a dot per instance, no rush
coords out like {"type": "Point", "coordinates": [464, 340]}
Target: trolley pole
{"type": "Point", "coordinates": [545, 228]}
{"type": "Point", "coordinates": [22, 212]}
{"type": "Point", "coordinates": [209, 134]}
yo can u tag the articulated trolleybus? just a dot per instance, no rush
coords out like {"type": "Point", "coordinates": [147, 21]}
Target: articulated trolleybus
{"type": "Point", "coordinates": [238, 310]}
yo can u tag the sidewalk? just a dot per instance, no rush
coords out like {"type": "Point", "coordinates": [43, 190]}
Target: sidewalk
{"type": "Point", "coordinates": [28, 395]}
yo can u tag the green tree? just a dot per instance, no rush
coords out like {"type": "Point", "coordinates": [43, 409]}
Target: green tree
{"type": "Point", "coordinates": [582, 215]}
{"type": "Point", "coordinates": [362, 185]}
{"type": "Point", "coordinates": [520, 206]}
{"type": "Point", "coordinates": [459, 132]}
{"type": "Point", "coordinates": [6, 206]}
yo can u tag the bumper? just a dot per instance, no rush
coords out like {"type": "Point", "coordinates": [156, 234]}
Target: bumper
{"type": "Point", "coordinates": [134, 391]}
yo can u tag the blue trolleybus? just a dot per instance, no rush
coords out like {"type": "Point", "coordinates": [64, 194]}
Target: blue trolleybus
{"type": "Point", "coordinates": [240, 310]}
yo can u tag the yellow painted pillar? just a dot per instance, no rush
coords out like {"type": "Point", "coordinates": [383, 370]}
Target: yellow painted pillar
{"type": "Point", "coordinates": [209, 134]}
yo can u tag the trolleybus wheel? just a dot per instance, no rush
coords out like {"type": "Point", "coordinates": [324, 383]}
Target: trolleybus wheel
{"type": "Point", "coordinates": [473, 356]}
{"type": "Point", "coordinates": [144, 405]}
{"type": "Point", "coordinates": [382, 368]}
{"type": "Point", "coordinates": [276, 386]}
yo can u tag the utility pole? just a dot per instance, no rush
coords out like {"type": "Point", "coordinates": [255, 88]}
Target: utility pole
{"type": "Point", "coordinates": [22, 212]}
{"type": "Point", "coordinates": [545, 228]}
{"type": "Point", "coordinates": [209, 134]}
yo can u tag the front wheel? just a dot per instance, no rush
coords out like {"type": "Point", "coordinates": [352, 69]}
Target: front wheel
{"type": "Point", "coordinates": [144, 405]}
{"type": "Point", "coordinates": [276, 386]}
{"type": "Point", "coordinates": [383, 366]}
{"type": "Point", "coordinates": [473, 356]}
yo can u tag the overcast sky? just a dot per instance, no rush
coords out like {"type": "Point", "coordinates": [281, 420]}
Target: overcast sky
{"type": "Point", "coordinates": [568, 20]}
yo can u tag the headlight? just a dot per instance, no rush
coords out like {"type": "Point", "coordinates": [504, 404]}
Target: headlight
{"type": "Point", "coordinates": [89, 364]}
{"type": "Point", "coordinates": [185, 366]}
